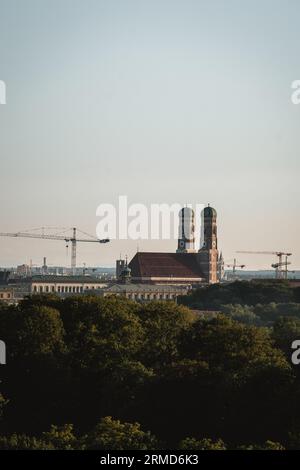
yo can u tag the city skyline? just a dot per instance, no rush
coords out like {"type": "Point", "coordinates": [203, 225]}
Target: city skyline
{"type": "Point", "coordinates": [167, 101]}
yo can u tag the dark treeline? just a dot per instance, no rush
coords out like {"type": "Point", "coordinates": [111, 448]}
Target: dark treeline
{"type": "Point", "coordinates": [108, 373]}
{"type": "Point", "coordinates": [243, 293]}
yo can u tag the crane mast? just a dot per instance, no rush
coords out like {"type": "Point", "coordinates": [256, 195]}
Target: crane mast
{"type": "Point", "coordinates": [281, 267]}
{"type": "Point", "coordinates": [235, 265]}
{"type": "Point", "coordinates": [73, 254]}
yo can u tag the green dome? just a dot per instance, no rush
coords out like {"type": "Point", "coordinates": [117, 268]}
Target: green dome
{"type": "Point", "coordinates": [210, 212]}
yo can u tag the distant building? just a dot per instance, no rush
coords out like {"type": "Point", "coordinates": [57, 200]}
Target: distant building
{"type": "Point", "coordinates": [4, 277]}
{"type": "Point", "coordinates": [120, 265]}
{"type": "Point", "coordinates": [23, 270]}
{"type": "Point", "coordinates": [6, 295]}
{"type": "Point", "coordinates": [186, 266]}
{"type": "Point", "coordinates": [60, 285]}
{"type": "Point", "coordinates": [145, 292]}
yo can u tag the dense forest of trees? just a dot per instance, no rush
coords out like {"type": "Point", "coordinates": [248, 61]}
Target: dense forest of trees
{"type": "Point", "coordinates": [243, 293]}
{"type": "Point", "coordinates": [109, 373]}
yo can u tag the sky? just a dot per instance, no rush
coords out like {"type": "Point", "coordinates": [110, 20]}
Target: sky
{"type": "Point", "coordinates": [163, 101]}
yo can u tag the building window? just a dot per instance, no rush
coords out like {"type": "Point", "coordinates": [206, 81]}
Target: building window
{"type": "Point", "coordinates": [41, 288]}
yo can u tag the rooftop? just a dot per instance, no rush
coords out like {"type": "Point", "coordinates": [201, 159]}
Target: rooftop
{"type": "Point", "coordinates": [145, 288]}
{"type": "Point", "coordinates": [58, 279]}
{"type": "Point", "coordinates": [177, 265]}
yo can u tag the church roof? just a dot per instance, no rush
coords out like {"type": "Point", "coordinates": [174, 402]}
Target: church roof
{"type": "Point", "coordinates": [156, 265]}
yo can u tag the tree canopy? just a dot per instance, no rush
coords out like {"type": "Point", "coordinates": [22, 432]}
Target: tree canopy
{"type": "Point", "coordinates": [152, 375]}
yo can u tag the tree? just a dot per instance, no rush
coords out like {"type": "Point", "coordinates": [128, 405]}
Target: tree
{"type": "Point", "coordinates": [101, 332]}
{"type": "Point", "coordinates": [231, 346]}
{"type": "Point", "coordinates": [239, 292]}
{"type": "Point", "coordinates": [111, 434]}
{"type": "Point", "coordinates": [285, 331]}
{"type": "Point", "coordinates": [241, 313]}
{"type": "Point", "coordinates": [38, 331]}
{"type": "Point", "coordinates": [79, 359]}
{"type": "Point", "coordinates": [190, 443]}
{"type": "Point", "coordinates": [61, 437]}
{"type": "Point", "coordinates": [268, 445]}
{"type": "Point", "coordinates": [163, 324]}
{"type": "Point", "coordinates": [23, 442]}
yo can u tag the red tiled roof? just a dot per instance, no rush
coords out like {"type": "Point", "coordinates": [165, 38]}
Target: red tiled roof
{"type": "Point", "coordinates": [178, 265]}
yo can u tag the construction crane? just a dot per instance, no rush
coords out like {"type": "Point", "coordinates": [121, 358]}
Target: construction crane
{"type": "Point", "coordinates": [66, 238]}
{"type": "Point", "coordinates": [281, 269]}
{"type": "Point", "coordinates": [234, 266]}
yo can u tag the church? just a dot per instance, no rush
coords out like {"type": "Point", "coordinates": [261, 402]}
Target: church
{"type": "Point", "coordinates": [187, 266]}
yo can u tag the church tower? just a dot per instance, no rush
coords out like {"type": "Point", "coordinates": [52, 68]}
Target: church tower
{"type": "Point", "coordinates": [186, 236]}
{"type": "Point", "coordinates": [208, 253]}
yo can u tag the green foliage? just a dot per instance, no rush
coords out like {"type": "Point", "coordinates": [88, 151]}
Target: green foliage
{"type": "Point", "coordinates": [61, 437]}
{"type": "Point", "coordinates": [100, 331]}
{"type": "Point", "coordinates": [231, 346]}
{"type": "Point", "coordinates": [285, 331]}
{"type": "Point", "coordinates": [23, 442]}
{"type": "Point", "coordinates": [241, 313]}
{"type": "Point", "coordinates": [189, 443]}
{"type": "Point", "coordinates": [111, 434]}
{"type": "Point", "coordinates": [240, 292]}
{"type": "Point", "coordinates": [271, 312]}
{"type": "Point", "coordinates": [163, 325]}
{"type": "Point", "coordinates": [40, 332]}
{"type": "Point", "coordinates": [260, 314]}
{"type": "Point", "coordinates": [107, 364]}
{"type": "Point", "coordinates": [268, 445]}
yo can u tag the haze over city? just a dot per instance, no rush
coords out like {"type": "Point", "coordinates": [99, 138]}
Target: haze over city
{"type": "Point", "coordinates": [162, 101]}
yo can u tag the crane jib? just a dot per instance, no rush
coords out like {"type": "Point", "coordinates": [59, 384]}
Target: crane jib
{"type": "Point", "coordinates": [72, 239]}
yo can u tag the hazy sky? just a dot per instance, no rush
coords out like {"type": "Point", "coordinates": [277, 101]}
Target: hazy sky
{"type": "Point", "coordinates": [162, 101]}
